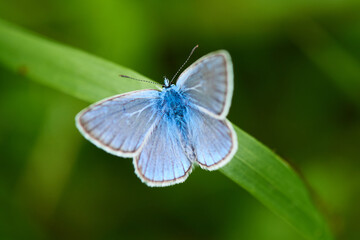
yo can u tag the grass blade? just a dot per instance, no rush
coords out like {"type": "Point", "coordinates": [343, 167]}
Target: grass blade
{"type": "Point", "coordinates": [64, 68]}
{"type": "Point", "coordinates": [274, 183]}
{"type": "Point", "coordinates": [254, 167]}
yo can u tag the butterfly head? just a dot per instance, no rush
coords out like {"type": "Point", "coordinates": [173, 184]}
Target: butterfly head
{"type": "Point", "coordinates": [166, 83]}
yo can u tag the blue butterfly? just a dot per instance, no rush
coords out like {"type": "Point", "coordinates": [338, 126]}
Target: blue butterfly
{"type": "Point", "coordinates": [166, 132]}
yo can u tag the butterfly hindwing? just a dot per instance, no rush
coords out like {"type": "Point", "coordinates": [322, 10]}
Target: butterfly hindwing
{"type": "Point", "coordinates": [163, 161]}
{"type": "Point", "coordinates": [214, 140]}
{"type": "Point", "coordinates": [120, 124]}
{"type": "Point", "coordinates": [208, 83]}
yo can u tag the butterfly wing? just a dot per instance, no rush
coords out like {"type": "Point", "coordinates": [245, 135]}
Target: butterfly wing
{"type": "Point", "coordinates": [163, 161]}
{"type": "Point", "coordinates": [120, 124]}
{"type": "Point", "coordinates": [214, 140]}
{"type": "Point", "coordinates": [208, 83]}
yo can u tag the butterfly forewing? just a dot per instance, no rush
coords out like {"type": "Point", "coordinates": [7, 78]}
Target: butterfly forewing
{"type": "Point", "coordinates": [208, 83]}
{"type": "Point", "coordinates": [120, 124]}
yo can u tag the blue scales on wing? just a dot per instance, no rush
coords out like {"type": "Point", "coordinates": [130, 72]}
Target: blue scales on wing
{"type": "Point", "coordinates": [208, 83]}
{"type": "Point", "coordinates": [213, 140]}
{"type": "Point", "coordinates": [121, 124]}
{"type": "Point", "coordinates": [162, 160]}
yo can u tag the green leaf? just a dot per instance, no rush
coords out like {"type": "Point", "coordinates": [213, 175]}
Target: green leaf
{"type": "Point", "coordinates": [64, 68]}
{"type": "Point", "coordinates": [254, 167]}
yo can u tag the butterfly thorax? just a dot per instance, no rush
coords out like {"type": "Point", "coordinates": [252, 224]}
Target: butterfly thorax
{"type": "Point", "coordinates": [173, 104]}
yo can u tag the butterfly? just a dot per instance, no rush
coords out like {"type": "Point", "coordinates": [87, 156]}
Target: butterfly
{"type": "Point", "coordinates": [168, 131]}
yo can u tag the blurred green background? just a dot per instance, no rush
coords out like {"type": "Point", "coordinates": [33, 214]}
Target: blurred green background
{"type": "Point", "coordinates": [297, 90]}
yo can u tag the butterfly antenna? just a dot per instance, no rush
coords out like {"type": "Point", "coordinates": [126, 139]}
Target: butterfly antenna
{"type": "Point", "coordinates": [140, 80]}
{"type": "Point", "coordinates": [192, 51]}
